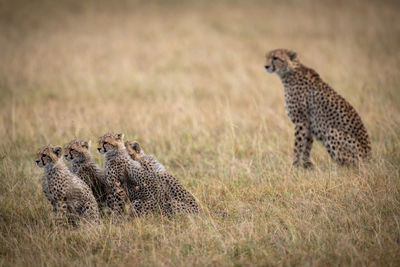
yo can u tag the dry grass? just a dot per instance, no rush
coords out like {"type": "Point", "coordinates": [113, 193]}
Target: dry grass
{"type": "Point", "coordinates": [187, 81]}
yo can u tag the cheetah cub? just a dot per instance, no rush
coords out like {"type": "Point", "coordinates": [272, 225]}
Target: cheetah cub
{"type": "Point", "coordinates": [71, 197]}
{"type": "Point", "coordinates": [182, 201]}
{"type": "Point", "coordinates": [317, 110]}
{"type": "Point", "coordinates": [145, 193]}
{"type": "Point", "coordinates": [82, 165]}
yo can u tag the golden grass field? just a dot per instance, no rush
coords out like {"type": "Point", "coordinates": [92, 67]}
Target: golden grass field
{"type": "Point", "coordinates": [187, 80]}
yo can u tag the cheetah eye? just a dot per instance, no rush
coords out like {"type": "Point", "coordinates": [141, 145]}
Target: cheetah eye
{"type": "Point", "coordinates": [105, 143]}
{"type": "Point", "coordinates": [43, 155]}
{"type": "Point", "coordinates": [72, 150]}
{"type": "Point", "coordinates": [274, 58]}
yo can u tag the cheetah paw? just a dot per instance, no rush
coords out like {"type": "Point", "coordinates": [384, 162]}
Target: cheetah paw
{"type": "Point", "coordinates": [296, 163]}
{"type": "Point", "coordinates": [308, 165]}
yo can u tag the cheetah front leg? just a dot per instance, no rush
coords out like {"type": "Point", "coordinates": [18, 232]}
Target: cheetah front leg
{"type": "Point", "coordinates": [303, 141]}
{"type": "Point", "coordinates": [307, 150]}
{"type": "Point", "coordinates": [60, 212]}
{"type": "Point", "coordinates": [115, 200]}
{"type": "Point", "coordinates": [116, 191]}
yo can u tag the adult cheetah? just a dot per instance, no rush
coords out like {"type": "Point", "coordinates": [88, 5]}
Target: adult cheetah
{"type": "Point", "coordinates": [182, 201]}
{"type": "Point", "coordinates": [82, 165]}
{"type": "Point", "coordinates": [317, 110]}
{"type": "Point", "coordinates": [70, 196]}
{"type": "Point", "coordinates": [145, 192]}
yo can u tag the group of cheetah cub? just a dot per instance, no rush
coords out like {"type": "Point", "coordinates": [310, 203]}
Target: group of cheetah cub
{"type": "Point", "coordinates": [79, 192]}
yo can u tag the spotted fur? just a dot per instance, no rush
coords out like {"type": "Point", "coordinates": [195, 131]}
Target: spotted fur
{"type": "Point", "coordinates": [181, 200]}
{"type": "Point", "coordinates": [145, 192]}
{"type": "Point", "coordinates": [82, 165]}
{"type": "Point", "coordinates": [71, 198]}
{"type": "Point", "coordinates": [318, 111]}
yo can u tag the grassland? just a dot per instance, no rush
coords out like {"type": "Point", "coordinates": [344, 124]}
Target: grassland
{"type": "Point", "coordinates": [186, 79]}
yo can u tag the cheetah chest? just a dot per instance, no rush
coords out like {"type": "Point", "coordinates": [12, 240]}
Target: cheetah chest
{"type": "Point", "coordinates": [295, 104]}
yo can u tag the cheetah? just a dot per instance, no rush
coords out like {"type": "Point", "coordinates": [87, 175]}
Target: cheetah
{"type": "Point", "coordinates": [318, 111]}
{"type": "Point", "coordinates": [70, 197]}
{"type": "Point", "coordinates": [144, 191]}
{"type": "Point", "coordinates": [181, 200]}
{"type": "Point", "coordinates": [82, 165]}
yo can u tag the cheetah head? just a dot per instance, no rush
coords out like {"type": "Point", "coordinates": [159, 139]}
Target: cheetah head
{"type": "Point", "coordinates": [76, 150]}
{"type": "Point", "coordinates": [280, 61]}
{"type": "Point", "coordinates": [134, 150]}
{"type": "Point", "coordinates": [48, 155]}
{"type": "Point", "coordinates": [110, 142]}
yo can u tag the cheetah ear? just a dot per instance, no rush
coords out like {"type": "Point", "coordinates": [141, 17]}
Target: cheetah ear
{"type": "Point", "coordinates": [136, 147]}
{"type": "Point", "coordinates": [57, 150]}
{"type": "Point", "coordinates": [292, 54]}
{"type": "Point", "coordinates": [87, 144]}
{"type": "Point", "coordinates": [120, 136]}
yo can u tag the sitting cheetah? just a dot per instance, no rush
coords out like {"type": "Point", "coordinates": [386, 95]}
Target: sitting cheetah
{"type": "Point", "coordinates": [144, 191]}
{"type": "Point", "coordinates": [71, 197]}
{"type": "Point", "coordinates": [181, 200]}
{"type": "Point", "coordinates": [83, 166]}
{"type": "Point", "coordinates": [317, 110]}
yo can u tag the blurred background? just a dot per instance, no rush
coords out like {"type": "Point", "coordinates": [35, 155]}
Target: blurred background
{"type": "Point", "coordinates": [69, 65]}
{"type": "Point", "coordinates": [187, 79]}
